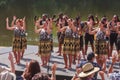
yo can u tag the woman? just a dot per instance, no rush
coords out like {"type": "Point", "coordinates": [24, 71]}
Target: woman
{"type": "Point", "coordinates": [33, 72]}
{"type": "Point", "coordinates": [68, 45]}
{"type": "Point", "coordinates": [79, 37]}
{"type": "Point", "coordinates": [19, 40]}
{"type": "Point", "coordinates": [113, 33]}
{"type": "Point", "coordinates": [90, 37]}
{"type": "Point", "coordinates": [44, 31]}
{"type": "Point", "coordinates": [61, 22]}
{"type": "Point", "coordinates": [101, 46]}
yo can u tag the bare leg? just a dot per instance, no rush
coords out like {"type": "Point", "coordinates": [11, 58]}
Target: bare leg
{"type": "Point", "coordinates": [22, 53]}
{"type": "Point", "coordinates": [47, 58]}
{"type": "Point", "coordinates": [79, 57]}
{"type": "Point", "coordinates": [70, 60]}
{"type": "Point", "coordinates": [74, 59]}
{"type": "Point", "coordinates": [60, 48]}
{"type": "Point", "coordinates": [15, 55]}
{"type": "Point", "coordinates": [18, 57]}
{"type": "Point", "coordinates": [65, 60]}
{"type": "Point", "coordinates": [101, 73]}
{"type": "Point", "coordinates": [43, 60]}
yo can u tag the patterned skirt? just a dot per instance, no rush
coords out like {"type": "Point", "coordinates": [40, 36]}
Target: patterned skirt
{"type": "Point", "coordinates": [77, 45]}
{"type": "Point", "coordinates": [16, 46]}
{"type": "Point", "coordinates": [19, 43]}
{"type": "Point", "coordinates": [68, 46]}
{"type": "Point", "coordinates": [101, 47]}
{"type": "Point", "coordinates": [44, 47]}
{"type": "Point", "coordinates": [24, 43]}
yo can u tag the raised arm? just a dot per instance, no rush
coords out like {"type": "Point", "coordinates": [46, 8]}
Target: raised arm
{"type": "Point", "coordinates": [37, 30]}
{"type": "Point", "coordinates": [97, 20]}
{"type": "Point", "coordinates": [13, 21]}
{"type": "Point", "coordinates": [73, 26]}
{"type": "Point", "coordinates": [37, 26]}
{"type": "Point", "coordinates": [24, 23]}
{"type": "Point", "coordinates": [7, 25]}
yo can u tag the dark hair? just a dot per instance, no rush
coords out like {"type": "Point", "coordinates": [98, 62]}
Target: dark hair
{"type": "Point", "coordinates": [60, 15]}
{"type": "Point", "coordinates": [91, 17]}
{"type": "Point", "coordinates": [32, 69]}
{"type": "Point", "coordinates": [117, 18]}
{"type": "Point", "coordinates": [77, 18]}
{"type": "Point", "coordinates": [90, 56]}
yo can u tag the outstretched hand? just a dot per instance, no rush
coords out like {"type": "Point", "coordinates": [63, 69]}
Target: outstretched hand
{"type": "Point", "coordinates": [14, 18]}
{"type": "Point", "coordinates": [7, 19]}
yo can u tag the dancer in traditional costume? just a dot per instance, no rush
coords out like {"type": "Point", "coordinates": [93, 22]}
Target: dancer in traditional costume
{"type": "Point", "coordinates": [101, 47]}
{"type": "Point", "coordinates": [69, 45]}
{"type": "Point", "coordinates": [44, 49]}
{"type": "Point", "coordinates": [19, 39]}
{"type": "Point", "coordinates": [80, 26]}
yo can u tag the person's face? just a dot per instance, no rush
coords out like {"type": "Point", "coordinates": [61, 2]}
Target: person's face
{"type": "Point", "coordinates": [114, 18]}
{"type": "Point", "coordinates": [91, 21]}
{"type": "Point", "coordinates": [18, 23]}
{"type": "Point", "coordinates": [69, 21]}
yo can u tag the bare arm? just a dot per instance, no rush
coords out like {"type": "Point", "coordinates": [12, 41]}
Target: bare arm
{"type": "Point", "coordinates": [13, 21]}
{"type": "Point", "coordinates": [24, 24]}
{"type": "Point", "coordinates": [97, 20]}
{"type": "Point", "coordinates": [37, 26]}
{"type": "Point", "coordinates": [92, 31]}
{"type": "Point", "coordinates": [63, 29]}
{"type": "Point", "coordinates": [49, 26]}
{"type": "Point", "coordinates": [73, 27]}
{"type": "Point", "coordinates": [11, 63]}
{"type": "Point", "coordinates": [37, 30]}
{"type": "Point", "coordinates": [7, 25]}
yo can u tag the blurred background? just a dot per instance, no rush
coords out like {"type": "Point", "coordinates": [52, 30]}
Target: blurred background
{"type": "Point", "coordinates": [31, 8]}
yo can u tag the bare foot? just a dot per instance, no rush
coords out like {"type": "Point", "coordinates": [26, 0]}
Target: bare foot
{"type": "Point", "coordinates": [66, 67]}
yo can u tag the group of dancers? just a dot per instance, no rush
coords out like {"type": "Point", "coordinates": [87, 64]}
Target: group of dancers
{"type": "Point", "coordinates": [73, 35]}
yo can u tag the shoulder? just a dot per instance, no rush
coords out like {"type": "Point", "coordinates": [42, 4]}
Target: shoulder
{"type": "Point", "coordinates": [81, 64]}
